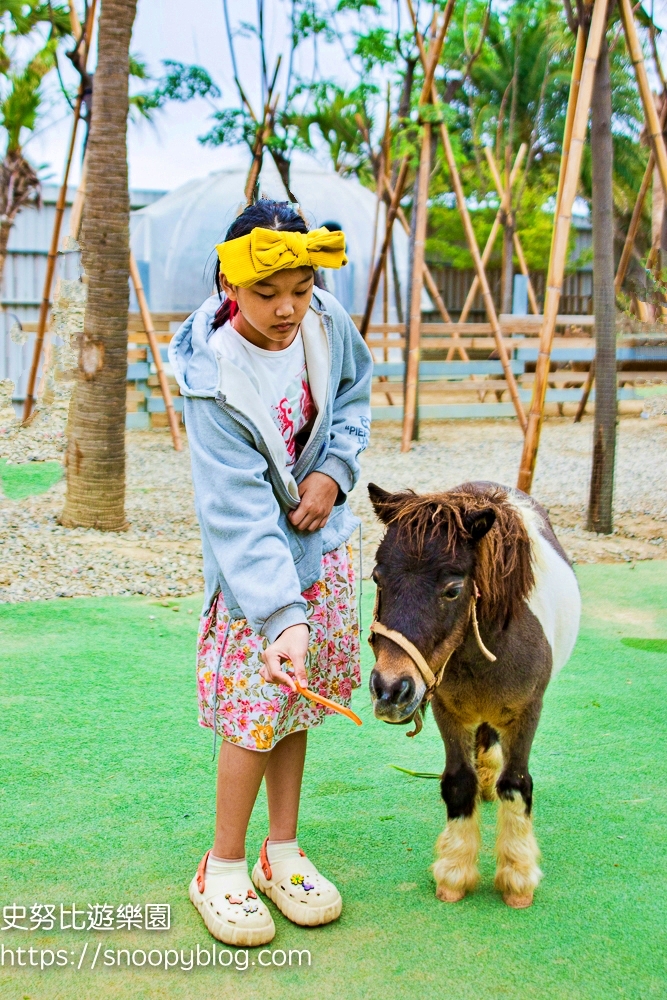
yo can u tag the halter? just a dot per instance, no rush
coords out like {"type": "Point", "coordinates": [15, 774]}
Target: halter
{"type": "Point", "coordinates": [431, 680]}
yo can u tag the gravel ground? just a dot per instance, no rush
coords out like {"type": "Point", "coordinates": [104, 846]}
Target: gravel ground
{"type": "Point", "coordinates": [160, 554]}
{"type": "Point", "coordinates": [448, 454]}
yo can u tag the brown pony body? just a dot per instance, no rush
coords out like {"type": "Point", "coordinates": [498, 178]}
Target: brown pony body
{"type": "Point", "coordinates": [448, 562]}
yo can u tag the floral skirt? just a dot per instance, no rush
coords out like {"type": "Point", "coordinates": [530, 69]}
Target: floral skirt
{"type": "Point", "coordinates": [254, 713]}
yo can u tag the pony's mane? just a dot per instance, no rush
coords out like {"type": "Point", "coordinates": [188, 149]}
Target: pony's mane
{"type": "Point", "coordinates": [504, 561]}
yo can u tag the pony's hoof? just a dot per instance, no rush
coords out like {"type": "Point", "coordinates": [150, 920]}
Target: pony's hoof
{"type": "Point", "coordinates": [449, 895]}
{"type": "Point", "coordinates": [518, 902]}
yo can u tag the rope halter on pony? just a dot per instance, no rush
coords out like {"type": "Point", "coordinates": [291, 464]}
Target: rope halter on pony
{"type": "Point", "coordinates": [431, 680]}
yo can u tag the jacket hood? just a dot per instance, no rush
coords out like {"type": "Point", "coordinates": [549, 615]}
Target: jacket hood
{"type": "Point", "coordinates": [192, 360]}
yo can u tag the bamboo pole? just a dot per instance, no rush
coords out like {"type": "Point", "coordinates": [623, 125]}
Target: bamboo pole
{"type": "Point", "coordinates": [380, 185]}
{"type": "Point", "coordinates": [262, 132]}
{"type": "Point", "coordinates": [491, 239]}
{"type": "Point", "coordinates": [569, 180]}
{"type": "Point", "coordinates": [652, 119]}
{"type": "Point", "coordinates": [74, 21]}
{"type": "Point", "coordinates": [575, 83]}
{"type": "Point", "coordinates": [76, 214]}
{"type": "Point", "coordinates": [505, 199]}
{"type": "Point", "coordinates": [376, 222]}
{"type": "Point", "coordinates": [430, 63]}
{"type": "Point", "coordinates": [481, 275]}
{"type": "Point", "coordinates": [55, 236]}
{"type": "Point", "coordinates": [532, 298]}
{"type": "Point", "coordinates": [472, 241]}
{"type": "Point", "coordinates": [414, 324]}
{"type": "Point", "coordinates": [588, 385]}
{"type": "Point", "coordinates": [379, 264]}
{"type": "Point", "coordinates": [637, 212]}
{"type": "Point", "coordinates": [628, 246]}
{"type": "Point", "coordinates": [155, 351]}
{"type": "Point", "coordinates": [429, 280]}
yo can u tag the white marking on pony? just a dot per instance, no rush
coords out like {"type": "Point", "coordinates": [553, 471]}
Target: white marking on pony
{"type": "Point", "coordinates": [489, 764]}
{"type": "Point", "coordinates": [457, 848]}
{"type": "Point", "coordinates": [517, 853]}
{"type": "Point", "coordinates": [555, 600]}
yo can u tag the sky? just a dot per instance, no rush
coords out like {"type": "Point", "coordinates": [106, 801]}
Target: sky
{"type": "Point", "coordinates": [165, 154]}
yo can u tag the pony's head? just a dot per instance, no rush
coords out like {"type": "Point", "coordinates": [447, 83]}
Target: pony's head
{"type": "Point", "coordinates": [439, 552]}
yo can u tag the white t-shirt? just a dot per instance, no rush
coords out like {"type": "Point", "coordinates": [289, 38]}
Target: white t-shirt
{"type": "Point", "coordinates": [280, 377]}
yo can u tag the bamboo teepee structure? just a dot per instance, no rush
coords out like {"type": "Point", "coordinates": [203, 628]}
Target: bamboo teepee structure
{"type": "Point", "coordinates": [581, 89]}
{"type": "Point", "coordinates": [429, 54]}
{"type": "Point", "coordinates": [83, 36]}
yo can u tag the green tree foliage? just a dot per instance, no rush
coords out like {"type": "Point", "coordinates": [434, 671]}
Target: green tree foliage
{"type": "Point", "coordinates": [514, 90]}
{"type": "Point", "coordinates": [38, 27]}
{"type": "Point", "coordinates": [503, 80]}
{"type": "Point", "coordinates": [179, 82]}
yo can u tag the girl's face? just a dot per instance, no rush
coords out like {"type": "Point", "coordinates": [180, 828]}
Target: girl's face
{"type": "Point", "coordinates": [271, 310]}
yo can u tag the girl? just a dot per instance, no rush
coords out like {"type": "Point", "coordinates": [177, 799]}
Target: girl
{"type": "Point", "coordinates": [276, 383]}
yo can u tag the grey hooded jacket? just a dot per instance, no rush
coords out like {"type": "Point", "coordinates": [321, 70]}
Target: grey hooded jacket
{"type": "Point", "coordinates": [243, 490]}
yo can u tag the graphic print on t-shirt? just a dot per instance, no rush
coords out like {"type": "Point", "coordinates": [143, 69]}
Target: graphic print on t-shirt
{"type": "Point", "coordinates": [281, 379]}
{"type": "Point", "coordinates": [294, 411]}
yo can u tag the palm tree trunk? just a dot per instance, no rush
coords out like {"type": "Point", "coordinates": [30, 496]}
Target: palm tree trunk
{"type": "Point", "coordinates": [96, 444]}
{"type": "Point", "coordinates": [600, 509]}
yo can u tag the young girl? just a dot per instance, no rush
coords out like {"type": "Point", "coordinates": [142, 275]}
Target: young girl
{"type": "Point", "coordinates": [276, 383]}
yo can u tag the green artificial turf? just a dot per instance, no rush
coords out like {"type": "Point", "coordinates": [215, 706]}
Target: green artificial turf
{"type": "Point", "coordinates": [25, 479]}
{"type": "Point", "coordinates": [107, 793]}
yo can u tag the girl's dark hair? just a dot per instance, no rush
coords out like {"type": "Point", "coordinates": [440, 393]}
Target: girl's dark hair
{"type": "Point", "coordinates": [266, 214]}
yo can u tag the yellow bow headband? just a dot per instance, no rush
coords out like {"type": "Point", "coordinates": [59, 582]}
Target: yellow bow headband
{"type": "Point", "coordinates": [251, 258]}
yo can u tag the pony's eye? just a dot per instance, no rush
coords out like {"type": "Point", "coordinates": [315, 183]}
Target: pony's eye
{"type": "Point", "coordinates": [375, 577]}
{"type": "Point", "coordinates": [453, 590]}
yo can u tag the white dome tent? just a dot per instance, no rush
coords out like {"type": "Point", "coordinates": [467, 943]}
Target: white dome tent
{"type": "Point", "coordinates": [174, 238]}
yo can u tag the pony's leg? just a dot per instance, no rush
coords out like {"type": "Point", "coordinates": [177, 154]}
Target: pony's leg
{"type": "Point", "coordinates": [488, 760]}
{"type": "Point", "coordinates": [517, 853]}
{"type": "Point", "coordinates": [457, 847]}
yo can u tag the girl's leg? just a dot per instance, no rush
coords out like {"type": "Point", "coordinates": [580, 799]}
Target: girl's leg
{"type": "Point", "coordinates": [284, 771]}
{"type": "Point", "coordinates": [291, 880]}
{"type": "Point", "coordinates": [240, 773]}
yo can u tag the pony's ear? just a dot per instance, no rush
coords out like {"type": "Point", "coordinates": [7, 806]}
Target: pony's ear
{"type": "Point", "coordinates": [386, 505]}
{"type": "Point", "coordinates": [479, 522]}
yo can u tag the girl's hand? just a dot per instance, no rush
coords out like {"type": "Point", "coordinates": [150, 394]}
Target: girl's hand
{"type": "Point", "coordinates": [318, 494]}
{"type": "Point", "coordinates": [292, 644]}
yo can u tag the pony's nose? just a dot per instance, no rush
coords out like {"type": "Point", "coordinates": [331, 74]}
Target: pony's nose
{"type": "Point", "coordinates": [391, 693]}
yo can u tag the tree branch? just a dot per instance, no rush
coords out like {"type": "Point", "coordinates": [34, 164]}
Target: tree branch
{"type": "Point", "coordinates": [572, 21]}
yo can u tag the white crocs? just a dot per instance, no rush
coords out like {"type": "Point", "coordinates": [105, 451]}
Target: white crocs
{"type": "Point", "coordinates": [230, 908]}
{"type": "Point", "coordinates": [298, 889]}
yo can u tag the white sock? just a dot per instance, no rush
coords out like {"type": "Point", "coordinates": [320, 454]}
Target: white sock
{"type": "Point", "coordinates": [282, 850]}
{"type": "Point", "coordinates": [236, 869]}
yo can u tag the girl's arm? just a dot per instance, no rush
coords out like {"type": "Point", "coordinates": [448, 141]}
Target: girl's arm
{"type": "Point", "coordinates": [238, 512]}
{"type": "Point", "coordinates": [350, 428]}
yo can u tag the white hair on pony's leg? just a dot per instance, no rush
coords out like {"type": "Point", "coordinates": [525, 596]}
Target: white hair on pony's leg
{"type": "Point", "coordinates": [455, 870]}
{"type": "Point", "coordinates": [517, 853]}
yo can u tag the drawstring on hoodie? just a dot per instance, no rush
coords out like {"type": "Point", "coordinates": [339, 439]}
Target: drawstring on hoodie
{"type": "Point", "coordinates": [361, 581]}
{"type": "Point", "coordinates": [215, 683]}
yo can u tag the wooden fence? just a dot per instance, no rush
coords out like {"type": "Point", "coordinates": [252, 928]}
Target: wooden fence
{"type": "Point", "coordinates": [450, 388]}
